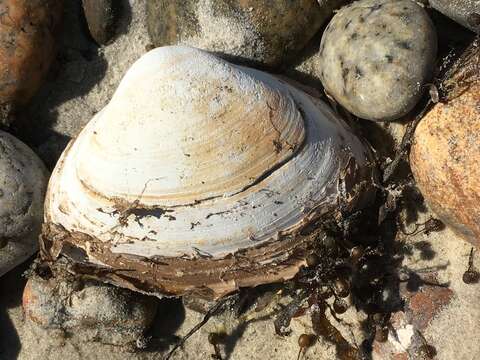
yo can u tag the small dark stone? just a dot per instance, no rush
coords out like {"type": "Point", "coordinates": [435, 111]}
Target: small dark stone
{"type": "Point", "coordinates": [101, 16]}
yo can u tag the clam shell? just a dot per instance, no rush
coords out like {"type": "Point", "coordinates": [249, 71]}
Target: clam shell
{"type": "Point", "coordinates": [23, 181]}
{"type": "Point", "coordinates": [194, 163]}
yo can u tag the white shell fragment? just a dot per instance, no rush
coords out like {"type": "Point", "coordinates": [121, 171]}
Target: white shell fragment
{"type": "Point", "coordinates": [196, 160]}
{"type": "Point", "coordinates": [23, 180]}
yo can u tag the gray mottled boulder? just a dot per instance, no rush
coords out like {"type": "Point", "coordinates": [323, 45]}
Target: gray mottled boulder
{"type": "Point", "coordinates": [23, 181]}
{"type": "Point", "coordinates": [261, 31]}
{"type": "Point", "coordinates": [376, 56]}
{"type": "Point", "coordinates": [465, 12]}
{"type": "Point", "coordinates": [90, 310]}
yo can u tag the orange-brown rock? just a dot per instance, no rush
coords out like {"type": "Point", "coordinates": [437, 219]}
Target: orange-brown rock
{"type": "Point", "coordinates": [27, 43]}
{"type": "Point", "coordinates": [445, 160]}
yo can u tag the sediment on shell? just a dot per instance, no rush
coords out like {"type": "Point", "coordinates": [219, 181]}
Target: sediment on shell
{"type": "Point", "coordinates": [204, 276]}
{"type": "Point", "coordinates": [274, 261]}
{"type": "Point", "coordinates": [164, 276]}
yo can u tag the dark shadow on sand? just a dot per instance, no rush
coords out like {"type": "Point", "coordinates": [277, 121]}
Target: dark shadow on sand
{"type": "Point", "coordinates": [169, 317]}
{"type": "Point", "coordinates": [11, 289]}
{"type": "Point", "coordinates": [79, 65]}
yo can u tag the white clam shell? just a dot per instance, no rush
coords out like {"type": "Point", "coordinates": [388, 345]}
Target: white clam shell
{"type": "Point", "coordinates": [23, 181]}
{"type": "Point", "coordinates": [194, 156]}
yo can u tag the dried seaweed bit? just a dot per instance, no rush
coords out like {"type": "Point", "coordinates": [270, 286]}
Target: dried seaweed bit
{"type": "Point", "coordinates": [471, 276]}
{"type": "Point", "coordinates": [427, 227]}
{"type": "Point", "coordinates": [219, 307]}
{"type": "Point", "coordinates": [282, 321]}
{"type": "Point", "coordinates": [324, 328]}
{"type": "Point", "coordinates": [464, 72]}
{"type": "Point", "coordinates": [425, 350]}
{"type": "Point", "coordinates": [406, 141]}
{"type": "Point", "coordinates": [391, 203]}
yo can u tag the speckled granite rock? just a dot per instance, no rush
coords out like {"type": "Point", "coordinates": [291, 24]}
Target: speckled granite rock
{"type": "Point", "coordinates": [267, 32]}
{"type": "Point", "coordinates": [465, 12]}
{"type": "Point", "coordinates": [444, 159]}
{"type": "Point", "coordinates": [96, 311]}
{"type": "Point", "coordinates": [376, 55]}
{"type": "Point", "coordinates": [23, 181]}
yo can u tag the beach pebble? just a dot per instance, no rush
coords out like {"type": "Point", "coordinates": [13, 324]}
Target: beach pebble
{"type": "Point", "coordinates": [376, 56]}
{"type": "Point", "coordinates": [27, 44]}
{"type": "Point", "coordinates": [260, 31]}
{"type": "Point", "coordinates": [23, 181]}
{"type": "Point", "coordinates": [444, 160]}
{"type": "Point", "coordinates": [422, 305]}
{"type": "Point", "coordinates": [101, 16]}
{"type": "Point", "coordinates": [465, 12]}
{"type": "Point", "coordinates": [90, 310]}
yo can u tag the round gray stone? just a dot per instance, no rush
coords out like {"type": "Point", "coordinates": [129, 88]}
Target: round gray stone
{"type": "Point", "coordinates": [258, 31]}
{"type": "Point", "coordinates": [376, 56]}
{"type": "Point", "coordinates": [23, 182]}
{"type": "Point", "coordinates": [90, 310]}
